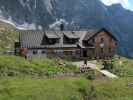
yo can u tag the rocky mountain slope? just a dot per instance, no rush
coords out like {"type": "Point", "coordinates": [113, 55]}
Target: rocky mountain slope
{"type": "Point", "coordinates": [40, 14]}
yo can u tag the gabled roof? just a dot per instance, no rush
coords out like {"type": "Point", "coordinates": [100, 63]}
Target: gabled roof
{"type": "Point", "coordinates": [93, 32]}
{"type": "Point", "coordinates": [30, 39]}
{"type": "Point", "coordinates": [33, 39]}
{"type": "Point", "coordinates": [71, 35]}
{"type": "Point", "coordinates": [51, 35]}
{"type": "Point", "coordinates": [90, 33]}
{"type": "Point", "coordinates": [110, 33]}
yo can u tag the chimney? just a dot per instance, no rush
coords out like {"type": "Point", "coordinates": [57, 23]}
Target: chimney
{"type": "Point", "coordinates": [61, 27]}
{"type": "Point", "coordinates": [62, 34]}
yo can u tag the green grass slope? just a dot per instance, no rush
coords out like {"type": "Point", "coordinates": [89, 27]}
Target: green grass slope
{"type": "Point", "coordinates": [39, 89]}
{"type": "Point", "coordinates": [123, 67]}
{"type": "Point", "coordinates": [27, 81]}
{"type": "Point", "coordinates": [119, 89]}
{"type": "Point", "coordinates": [14, 66]}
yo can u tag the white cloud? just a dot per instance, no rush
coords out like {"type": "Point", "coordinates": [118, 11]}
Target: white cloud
{"type": "Point", "coordinates": [125, 3]}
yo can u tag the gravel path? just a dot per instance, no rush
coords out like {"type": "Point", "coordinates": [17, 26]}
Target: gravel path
{"type": "Point", "coordinates": [94, 67]}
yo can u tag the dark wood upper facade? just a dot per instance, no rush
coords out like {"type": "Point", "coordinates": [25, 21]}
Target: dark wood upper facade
{"type": "Point", "coordinates": [101, 45]}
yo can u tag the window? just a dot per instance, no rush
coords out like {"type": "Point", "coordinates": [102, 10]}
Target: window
{"type": "Point", "coordinates": [77, 51]}
{"type": "Point", "coordinates": [115, 44]}
{"type": "Point", "coordinates": [71, 41]}
{"type": "Point", "coordinates": [68, 52]}
{"type": "Point", "coordinates": [52, 41]}
{"type": "Point", "coordinates": [110, 50]}
{"type": "Point", "coordinates": [102, 40]}
{"type": "Point", "coordinates": [93, 40]}
{"type": "Point", "coordinates": [35, 52]}
{"type": "Point", "coordinates": [43, 52]}
{"type": "Point", "coordinates": [111, 40]}
{"type": "Point", "coordinates": [102, 50]}
{"type": "Point", "coordinates": [59, 51]}
{"type": "Point", "coordinates": [67, 40]}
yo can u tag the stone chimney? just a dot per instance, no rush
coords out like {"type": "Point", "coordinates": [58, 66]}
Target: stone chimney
{"type": "Point", "coordinates": [61, 34]}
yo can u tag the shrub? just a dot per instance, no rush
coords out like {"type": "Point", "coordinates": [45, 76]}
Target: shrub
{"type": "Point", "coordinates": [91, 75]}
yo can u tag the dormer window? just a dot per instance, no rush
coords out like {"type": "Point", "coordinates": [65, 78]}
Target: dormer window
{"type": "Point", "coordinates": [70, 38]}
{"type": "Point", "coordinates": [52, 41]}
{"type": "Point", "coordinates": [50, 38]}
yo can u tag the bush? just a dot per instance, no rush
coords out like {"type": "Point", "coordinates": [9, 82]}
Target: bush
{"type": "Point", "coordinates": [91, 75]}
{"type": "Point", "coordinates": [88, 93]}
{"type": "Point", "coordinates": [107, 65]}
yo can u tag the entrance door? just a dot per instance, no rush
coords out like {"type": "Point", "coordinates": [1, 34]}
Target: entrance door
{"type": "Point", "coordinates": [84, 53]}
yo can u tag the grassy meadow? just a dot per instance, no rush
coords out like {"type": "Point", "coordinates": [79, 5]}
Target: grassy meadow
{"type": "Point", "coordinates": [122, 67]}
{"type": "Point", "coordinates": [42, 89]}
{"type": "Point", "coordinates": [21, 79]}
{"type": "Point", "coordinates": [17, 66]}
{"type": "Point", "coordinates": [117, 89]}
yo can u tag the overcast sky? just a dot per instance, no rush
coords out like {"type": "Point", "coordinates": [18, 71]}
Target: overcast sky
{"type": "Point", "coordinates": [126, 3]}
